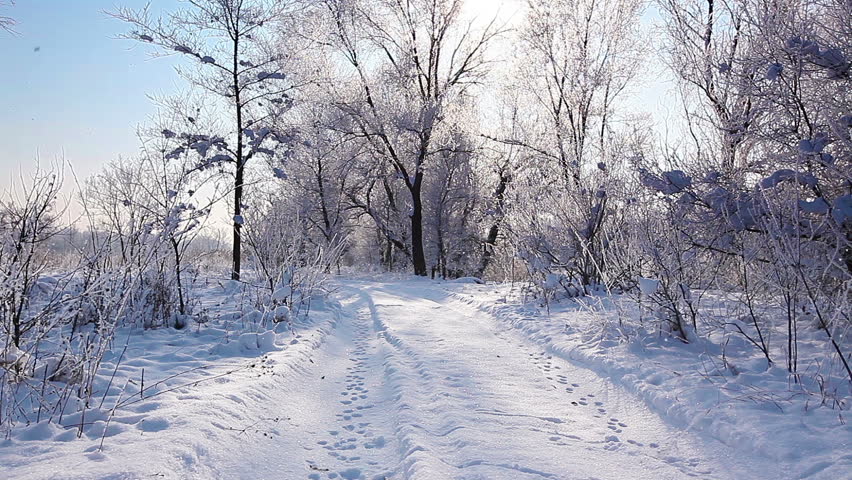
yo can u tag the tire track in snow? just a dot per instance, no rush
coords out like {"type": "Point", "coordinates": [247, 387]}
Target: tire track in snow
{"type": "Point", "coordinates": [401, 365]}
{"type": "Point", "coordinates": [432, 437]}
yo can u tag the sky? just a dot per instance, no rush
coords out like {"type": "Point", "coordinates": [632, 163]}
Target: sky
{"type": "Point", "coordinates": [72, 91]}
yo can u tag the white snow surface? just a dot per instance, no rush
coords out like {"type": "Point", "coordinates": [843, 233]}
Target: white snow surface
{"type": "Point", "coordinates": [415, 379]}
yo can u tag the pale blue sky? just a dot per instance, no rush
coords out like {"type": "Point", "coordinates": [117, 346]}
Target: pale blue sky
{"type": "Point", "coordinates": [70, 89]}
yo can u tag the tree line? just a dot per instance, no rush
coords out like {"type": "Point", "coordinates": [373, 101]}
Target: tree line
{"type": "Point", "coordinates": [407, 135]}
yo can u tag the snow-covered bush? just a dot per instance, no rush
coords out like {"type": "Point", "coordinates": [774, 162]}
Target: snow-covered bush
{"type": "Point", "coordinates": [58, 316]}
{"type": "Point", "coordinates": [772, 220]}
{"type": "Point", "coordinates": [290, 265]}
{"type": "Point", "coordinates": [581, 231]}
{"type": "Point", "coordinates": [569, 191]}
{"type": "Point", "coordinates": [56, 324]}
{"type": "Point", "coordinates": [145, 213]}
{"type": "Point", "coordinates": [28, 221]}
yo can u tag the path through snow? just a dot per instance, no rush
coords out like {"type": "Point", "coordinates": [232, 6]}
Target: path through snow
{"type": "Point", "coordinates": [409, 382]}
{"type": "Point", "coordinates": [439, 390]}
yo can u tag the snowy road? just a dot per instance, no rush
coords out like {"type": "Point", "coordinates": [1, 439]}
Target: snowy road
{"type": "Point", "coordinates": [407, 382]}
{"type": "Point", "coordinates": [419, 386]}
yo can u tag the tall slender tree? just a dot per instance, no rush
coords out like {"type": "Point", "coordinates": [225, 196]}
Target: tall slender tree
{"type": "Point", "coordinates": [229, 42]}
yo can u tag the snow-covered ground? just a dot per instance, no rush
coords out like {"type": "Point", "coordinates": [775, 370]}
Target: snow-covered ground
{"type": "Point", "coordinates": [719, 387]}
{"type": "Point", "coordinates": [414, 379]}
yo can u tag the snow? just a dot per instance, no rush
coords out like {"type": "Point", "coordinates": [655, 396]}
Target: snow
{"type": "Point", "coordinates": [814, 145]}
{"type": "Point", "coordinates": [818, 206]}
{"type": "Point", "coordinates": [648, 286]}
{"type": "Point", "coordinates": [271, 76]}
{"type": "Point", "coordinates": [774, 71]}
{"type": "Point", "coordinates": [674, 181]}
{"type": "Point", "coordinates": [176, 153]}
{"type": "Point", "coordinates": [220, 158]}
{"type": "Point", "coordinates": [467, 280]}
{"type": "Point", "coordinates": [749, 406]}
{"type": "Point", "coordinates": [842, 209]}
{"type": "Point", "coordinates": [11, 355]}
{"type": "Point", "coordinates": [282, 313]}
{"type": "Point", "coordinates": [552, 281]}
{"type": "Point", "coordinates": [279, 173]}
{"type": "Point", "coordinates": [177, 396]}
{"type": "Point", "coordinates": [417, 379]}
{"type": "Point", "coordinates": [785, 174]}
{"type": "Point", "coordinates": [678, 179]}
{"type": "Point", "coordinates": [281, 294]}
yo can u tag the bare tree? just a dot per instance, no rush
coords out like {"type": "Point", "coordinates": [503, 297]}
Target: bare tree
{"type": "Point", "coordinates": [28, 222]}
{"type": "Point", "coordinates": [229, 42]}
{"type": "Point", "coordinates": [411, 61]}
{"type": "Point", "coordinates": [318, 174]}
{"type": "Point", "coordinates": [709, 41]}
{"type": "Point", "coordinates": [452, 198]}
{"type": "Point", "coordinates": [574, 62]}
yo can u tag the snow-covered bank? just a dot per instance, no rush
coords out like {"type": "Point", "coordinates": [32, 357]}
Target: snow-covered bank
{"type": "Point", "coordinates": [171, 401]}
{"type": "Point", "coordinates": [719, 386]}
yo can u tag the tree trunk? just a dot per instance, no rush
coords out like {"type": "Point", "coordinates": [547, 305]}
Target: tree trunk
{"type": "Point", "coordinates": [493, 233]}
{"type": "Point", "coordinates": [238, 197]}
{"type": "Point", "coordinates": [418, 256]}
{"type": "Point", "coordinates": [236, 254]}
{"type": "Point", "coordinates": [181, 301]}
